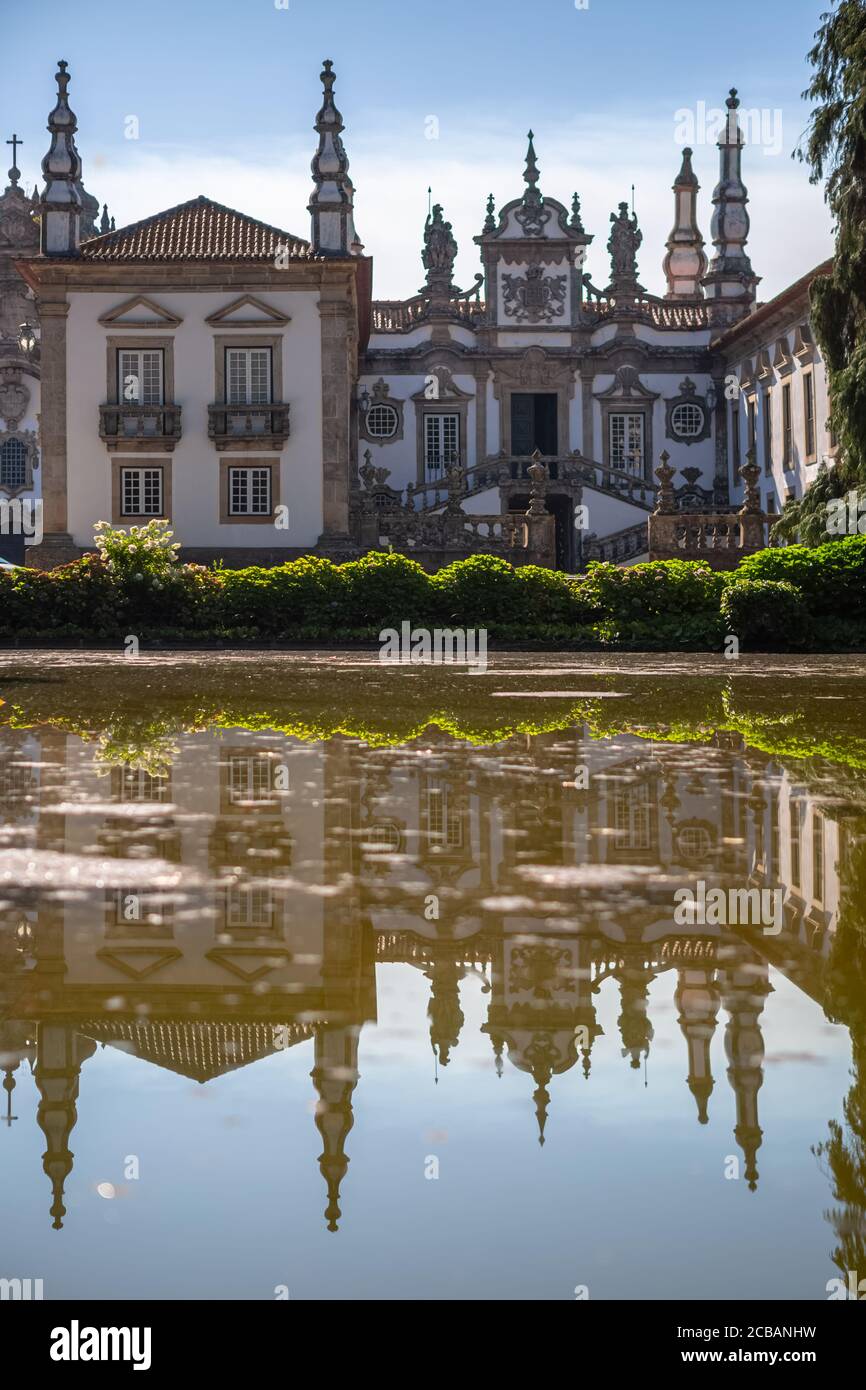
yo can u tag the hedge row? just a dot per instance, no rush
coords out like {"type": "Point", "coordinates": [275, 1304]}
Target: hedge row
{"type": "Point", "coordinates": [794, 598]}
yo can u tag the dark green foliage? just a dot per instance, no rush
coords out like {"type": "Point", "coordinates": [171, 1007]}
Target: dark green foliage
{"type": "Point", "coordinates": [788, 597]}
{"type": "Point", "coordinates": [766, 613]}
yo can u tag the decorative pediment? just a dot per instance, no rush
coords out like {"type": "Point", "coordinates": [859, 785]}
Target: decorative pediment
{"type": "Point", "coordinates": [439, 385]}
{"type": "Point", "coordinates": [138, 313]}
{"type": "Point", "coordinates": [535, 369]}
{"type": "Point", "coordinates": [138, 962]}
{"type": "Point", "coordinates": [626, 385]}
{"type": "Point", "coordinates": [248, 312]}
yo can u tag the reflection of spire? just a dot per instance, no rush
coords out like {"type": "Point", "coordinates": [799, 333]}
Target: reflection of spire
{"type": "Point", "coordinates": [744, 991]}
{"type": "Point", "coordinates": [60, 1053]}
{"type": "Point", "coordinates": [541, 1096]}
{"type": "Point", "coordinates": [635, 1027]}
{"type": "Point", "coordinates": [335, 1076]}
{"type": "Point", "coordinates": [9, 1087]}
{"type": "Point", "coordinates": [444, 1012]}
{"type": "Point", "coordinates": [542, 1055]}
{"type": "Point", "coordinates": [697, 999]}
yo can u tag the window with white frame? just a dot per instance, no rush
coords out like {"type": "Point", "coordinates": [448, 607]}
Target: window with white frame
{"type": "Point", "coordinates": [626, 441]}
{"type": "Point", "coordinates": [248, 376]}
{"type": "Point", "coordinates": [441, 441]}
{"type": "Point", "coordinates": [249, 491]}
{"type": "Point", "coordinates": [140, 376]}
{"type": "Point", "coordinates": [248, 906]}
{"type": "Point", "coordinates": [141, 492]}
{"type": "Point", "coordinates": [250, 778]}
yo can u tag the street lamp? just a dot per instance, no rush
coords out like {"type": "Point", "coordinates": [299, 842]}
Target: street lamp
{"type": "Point", "coordinates": [28, 337]}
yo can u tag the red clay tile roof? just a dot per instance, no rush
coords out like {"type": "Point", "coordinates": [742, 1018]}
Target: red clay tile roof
{"type": "Point", "coordinates": [199, 230]}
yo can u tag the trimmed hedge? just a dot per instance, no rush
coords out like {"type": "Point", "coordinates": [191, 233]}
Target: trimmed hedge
{"type": "Point", "coordinates": [794, 598]}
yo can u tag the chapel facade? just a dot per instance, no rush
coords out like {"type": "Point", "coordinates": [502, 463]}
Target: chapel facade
{"type": "Point", "coordinates": [242, 382]}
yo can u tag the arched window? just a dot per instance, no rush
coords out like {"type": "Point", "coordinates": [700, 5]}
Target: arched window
{"type": "Point", "coordinates": [13, 464]}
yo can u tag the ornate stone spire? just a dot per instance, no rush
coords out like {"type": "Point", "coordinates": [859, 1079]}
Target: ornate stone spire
{"type": "Point", "coordinates": [730, 275]}
{"type": "Point", "coordinates": [490, 219]}
{"type": "Point", "coordinates": [331, 206]}
{"type": "Point", "coordinates": [440, 250]}
{"type": "Point", "coordinates": [60, 204]}
{"type": "Point", "coordinates": [532, 214]}
{"type": "Point", "coordinates": [685, 263]}
{"type": "Point", "coordinates": [104, 224]}
{"type": "Point", "coordinates": [623, 243]}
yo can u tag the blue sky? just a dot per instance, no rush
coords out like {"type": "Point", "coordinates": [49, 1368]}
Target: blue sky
{"type": "Point", "coordinates": [225, 93]}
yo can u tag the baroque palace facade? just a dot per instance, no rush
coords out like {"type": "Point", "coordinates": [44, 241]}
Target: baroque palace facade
{"type": "Point", "coordinates": [243, 382]}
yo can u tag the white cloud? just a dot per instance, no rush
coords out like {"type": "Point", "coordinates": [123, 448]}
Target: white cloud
{"type": "Point", "coordinates": [599, 158]}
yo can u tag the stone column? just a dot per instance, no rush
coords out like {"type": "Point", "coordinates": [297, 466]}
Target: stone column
{"type": "Point", "coordinates": [337, 314]}
{"type": "Point", "coordinates": [57, 545]}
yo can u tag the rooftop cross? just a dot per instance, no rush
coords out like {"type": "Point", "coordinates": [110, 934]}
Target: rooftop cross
{"type": "Point", "coordinates": [14, 172]}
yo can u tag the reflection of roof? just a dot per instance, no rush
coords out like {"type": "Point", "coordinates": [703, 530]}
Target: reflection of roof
{"type": "Point", "coordinates": [199, 1051]}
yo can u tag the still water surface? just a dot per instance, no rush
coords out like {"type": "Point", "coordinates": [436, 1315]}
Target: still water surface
{"type": "Point", "coordinates": [356, 982]}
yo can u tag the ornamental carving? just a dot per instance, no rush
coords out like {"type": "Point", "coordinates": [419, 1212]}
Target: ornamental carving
{"type": "Point", "coordinates": [540, 970]}
{"type": "Point", "coordinates": [14, 398]}
{"type": "Point", "coordinates": [534, 297]}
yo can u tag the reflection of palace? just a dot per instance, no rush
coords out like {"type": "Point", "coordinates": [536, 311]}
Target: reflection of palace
{"type": "Point", "coordinates": [238, 904]}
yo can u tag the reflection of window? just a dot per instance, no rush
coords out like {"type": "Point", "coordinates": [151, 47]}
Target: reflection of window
{"type": "Point", "coordinates": [626, 441]}
{"type": "Point", "coordinates": [249, 907]}
{"type": "Point", "coordinates": [383, 837]}
{"type": "Point", "coordinates": [134, 784]}
{"type": "Point", "coordinates": [630, 817]}
{"type": "Point", "coordinates": [694, 843]}
{"type": "Point", "coordinates": [795, 845]}
{"type": "Point", "coordinates": [133, 913]}
{"type": "Point", "coordinates": [817, 857]}
{"type": "Point", "coordinates": [444, 819]}
{"type": "Point", "coordinates": [250, 778]}
{"type": "Point", "coordinates": [382, 421]}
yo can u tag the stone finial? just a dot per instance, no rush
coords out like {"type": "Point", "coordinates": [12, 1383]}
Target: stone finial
{"type": "Point", "coordinates": [60, 204]}
{"type": "Point", "coordinates": [575, 222]}
{"type": "Point", "coordinates": [750, 473]}
{"type": "Point", "coordinates": [537, 474]}
{"type": "Point", "coordinates": [104, 223]}
{"type": "Point", "coordinates": [730, 276]}
{"type": "Point", "coordinates": [14, 172]}
{"type": "Point", "coordinates": [685, 263]}
{"type": "Point", "coordinates": [490, 219]}
{"type": "Point", "coordinates": [331, 207]}
{"type": "Point", "coordinates": [532, 214]}
{"type": "Point", "coordinates": [665, 503]}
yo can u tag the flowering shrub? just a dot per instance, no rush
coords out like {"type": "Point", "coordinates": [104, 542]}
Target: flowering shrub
{"type": "Point", "coordinates": [142, 553]}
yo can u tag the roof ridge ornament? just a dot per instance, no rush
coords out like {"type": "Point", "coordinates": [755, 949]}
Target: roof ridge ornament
{"type": "Point", "coordinates": [532, 215]}
{"type": "Point", "coordinates": [332, 204]}
{"type": "Point", "coordinates": [61, 200]}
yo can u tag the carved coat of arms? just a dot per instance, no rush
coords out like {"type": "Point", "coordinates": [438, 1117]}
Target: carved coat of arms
{"type": "Point", "coordinates": [534, 297]}
{"type": "Point", "coordinates": [14, 399]}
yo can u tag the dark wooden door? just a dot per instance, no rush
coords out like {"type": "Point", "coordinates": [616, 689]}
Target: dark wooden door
{"type": "Point", "coordinates": [534, 423]}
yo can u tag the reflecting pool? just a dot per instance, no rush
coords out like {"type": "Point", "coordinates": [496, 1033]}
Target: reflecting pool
{"type": "Point", "coordinates": [325, 979]}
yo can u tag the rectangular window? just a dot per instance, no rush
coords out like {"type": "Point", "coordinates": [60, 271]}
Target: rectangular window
{"type": "Point", "coordinates": [626, 442]}
{"type": "Point", "coordinates": [752, 417]}
{"type": "Point", "coordinates": [249, 907]}
{"type": "Point", "coordinates": [250, 779]}
{"type": "Point", "coordinates": [441, 441]}
{"type": "Point", "coordinates": [787, 437]}
{"type": "Point", "coordinates": [140, 377]}
{"type": "Point", "coordinates": [631, 817]}
{"type": "Point", "coordinates": [249, 491]}
{"type": "Point", "coordinates": [141, 492]}
{"type": "Point", "coordinates": [767, 408]}
{"type": "Point", "coordinates": [809, 413]}
{"type": "Point", "coordinates": [735, 433]}
{"type": "Point", "coordinates": [248, 376]}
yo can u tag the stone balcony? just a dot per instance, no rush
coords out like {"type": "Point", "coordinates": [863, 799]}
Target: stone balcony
{"type": "Point", "coordinates": [126, 427]}
{"type": "Point", "coordinates": [248, 426]}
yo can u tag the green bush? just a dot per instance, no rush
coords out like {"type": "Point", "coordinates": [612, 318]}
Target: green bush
{"type": "Point", "coordinates": [304, 595]}
{"type": "Point", "coordinates": [384, 589]}
{"type": "Point", "coordinates": [485, 587]}
{"type": "Point", "coordinates": [665, 603]}
{"type": "Point", "coordinates": [766, 613]}
{"type": "Point", "coordinates": [831, 577]}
